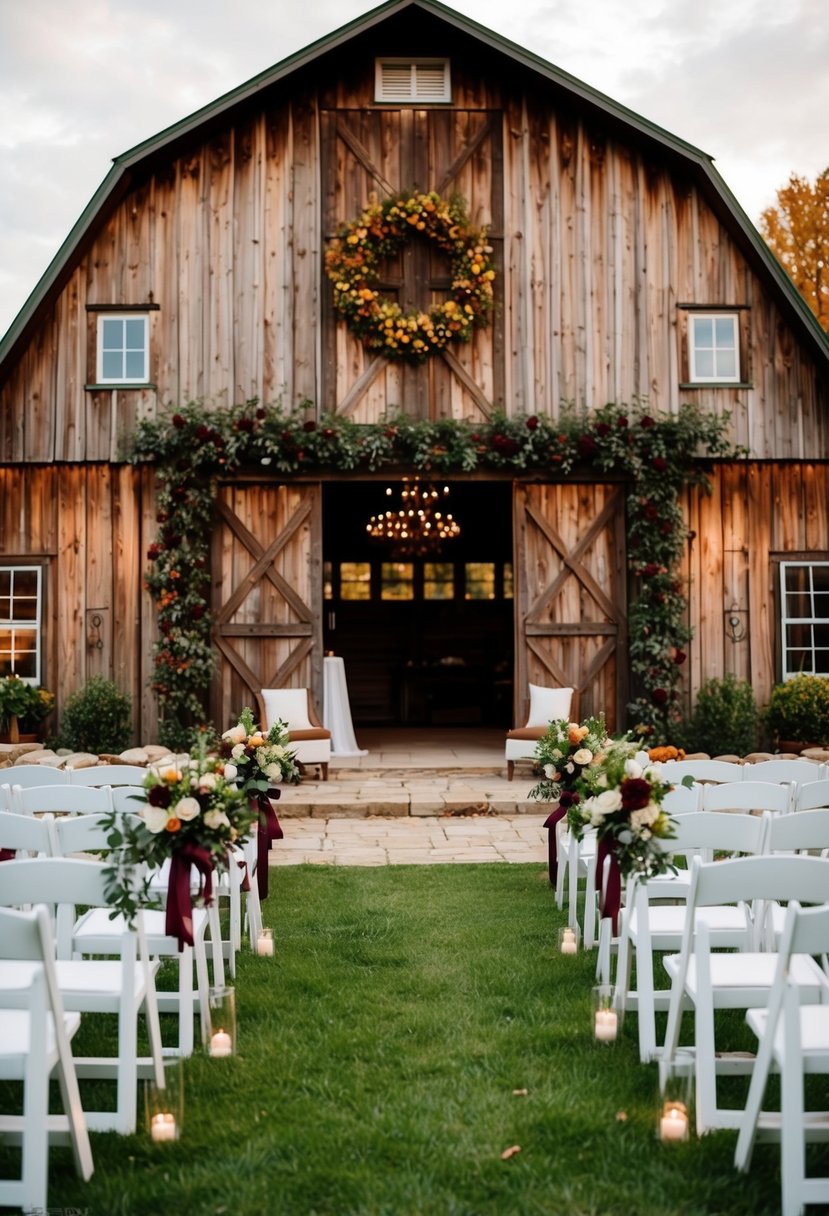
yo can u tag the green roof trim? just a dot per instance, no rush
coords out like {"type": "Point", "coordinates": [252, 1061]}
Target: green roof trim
{"type": "Point", "coordinates": [120, 173]}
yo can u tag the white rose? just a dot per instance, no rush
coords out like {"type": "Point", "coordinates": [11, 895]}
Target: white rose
{"type": "Point", "coordinates": [642, 759]}
{"type": "Point", "coordinates": [187, 808]}
{"type": "Point", "coordinates": [155, 819]}
{"type": "Point", "coordinates": [237, 751]}
{"type": "Point", "coordinates": [207, 781]}
{"type": "Point", "coordinates": [274, 773]}
{"type": "Point", "coordinates": [644, 817]}
{"type": "Point", "coordinates": [592, 812]}
{"type": "Point", "coordinates": [601, 781]}
{"type": "Point", "coordinates": [653, 772]}
{"type": "Point", "coordinates": [582, 756]}
{"type": "Point", "coordinates": [609, 801]}
{"type": "Point", "coordinates": [216, 819]}
{"type": "Point", "coordinates": [633, 768]}
{"type": "Point", "coordinates": [550, 772]}
{"type": "Point", "coordinates": [231, 771]}
{"type": "Point", "coordinates": [236, 734]}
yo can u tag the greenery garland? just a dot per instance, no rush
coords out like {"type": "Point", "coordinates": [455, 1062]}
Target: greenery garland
{"type": "Point", "coordinates": [656, 454]}
{"type": "Point", "coordinates": [352, 262]}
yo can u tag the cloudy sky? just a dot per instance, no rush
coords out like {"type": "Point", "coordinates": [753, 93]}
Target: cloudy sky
{"type": "Point", "coordinates": [84, 80]}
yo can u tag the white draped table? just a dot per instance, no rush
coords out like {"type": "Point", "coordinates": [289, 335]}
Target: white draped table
{"type": "Point", "coordinates": [336, 711]}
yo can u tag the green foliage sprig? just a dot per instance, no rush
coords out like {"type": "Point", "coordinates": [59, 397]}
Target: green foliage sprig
{"type": "Point", "coordinates": [656, 454]}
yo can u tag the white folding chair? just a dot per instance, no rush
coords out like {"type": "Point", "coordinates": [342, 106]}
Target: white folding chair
{"type": "Point", "coordinates": [35, 1035]}
{"type": "Point", "coordinates": [748, 796]}
{"type": "Point", "coordinates": [24, 834]}
{"type": "Point", "coordinates": [61, 800]}
{"type": "Point", "coordinates": [793, 1038]}
{"type": "Point", "coordinates": [97, 932]}
{"type": "Point", "coordinates": [812, 794]}
{"type": "Point", "coordinates": [799, 832]}
{"type": "Point", "coordinates": [702, 770]}
{"type": "Point", "coordinates": [129, 798]}
{"type": "Point", "coordinates": [801, 772]}
{"type": "Point", "coordinates": [124, 986]}
{"type": "Point", "coordinates": [33, 774]}
{"type": "Point", "coordinates": [108, 774]}
{"type": "Point", "coordinates": [709, 980]}
{"type": "Point", "coordinates": [654, 914]}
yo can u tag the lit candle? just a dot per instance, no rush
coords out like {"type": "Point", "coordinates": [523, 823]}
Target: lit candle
{"type": "Point", "coordinates": [221, 1044]}
{"type": "Point", "coordinates": [606, 1025]}
{"type": "Point", "coordinates": [569, 945]}
{"type": "Point", "coordinates": [163, 1127]}
{"type": "Point", "coordinates": [674, 1122]}
{"type": "Point", "coordinates": [264, 942]}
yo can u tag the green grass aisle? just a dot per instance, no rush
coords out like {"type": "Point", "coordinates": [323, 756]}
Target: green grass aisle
{"type": "Point", "coordinates": [379, 1054]}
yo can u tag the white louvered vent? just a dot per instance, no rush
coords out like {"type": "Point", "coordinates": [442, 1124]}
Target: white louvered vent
{"type": "Point", "coordinates": [424, 80]}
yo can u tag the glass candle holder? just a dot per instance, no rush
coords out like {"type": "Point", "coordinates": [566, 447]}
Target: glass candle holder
{"type": "Point", "coordinates": [221, 1027]}
{"type": "Point", "coordinates": [605, 1017]}
{"type": "Point", "coordinates": [568, 940]}
{"type": "Point", "coordinates": [264, 943]}
{"type": "Point", "coordinates": [674, 1119]}
{"type": "Point", "coordinates": [164, 1104]}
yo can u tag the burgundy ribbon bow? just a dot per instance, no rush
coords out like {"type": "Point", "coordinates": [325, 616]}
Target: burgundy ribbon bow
{"type": "Point", "coordinates": [7, 854]}
{"type": "Point", "coordinates": [179, 922]}
{"type": "Point", "coordinates": [610, 887]}
{"type": "Point", "coordinates": [552, 852]}
{"type": "Point", "coordinates": [269, 830]}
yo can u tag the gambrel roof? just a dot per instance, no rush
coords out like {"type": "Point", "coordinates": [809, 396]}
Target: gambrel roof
{"type": "Point", "coordinates": [698, 165]}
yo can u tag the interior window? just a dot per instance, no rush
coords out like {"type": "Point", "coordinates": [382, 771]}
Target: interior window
{"type": "Point", "coordinates": [479, 581]}
{"type": "Point", "coordinates": [438, 580]}
{"type": "Point", "coordinates": [397, 581]}
{"type": "Point", "coordinates": [355, 580]}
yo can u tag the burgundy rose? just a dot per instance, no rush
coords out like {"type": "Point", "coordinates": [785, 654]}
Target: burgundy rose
{"type": "Point", "coordinates": [679, 657]}
{"type": "Point", "coordinates": [660, 464]}
{"type": "Point", "coordinates": [587, 446]}
{"type": "Point", "coordinates": [651, 511]}
{"type": "Point", "coordinates": [636, 793]}
{"type": "Point", "coordinates": [159, 795]}
{"type": "Point", "coordinates": [202, 433]}
{"type": "Point", "coordinates": [179, 421]}
{"type": "Point", "coordinates": [309, 426]}
{"type": "Point", "coordinates": [329, 432]}
{"type": "Point", "coordinates": [659, 696]}
{"type": "Point", "coordinates": [650, 571]}
{"type": "Point", "coordinates": [197, 611]}
{"type": "Point", "coordinates": [647, 422]}
{"type": "Point", "coordinates": [666, 528]}
{"type": "Point", "coordinates": [244, 424]}
{"type": "Point", "coordinates": [162, 517]}
{"type": "Point", "coordinates": [260, 414]}
{"type": "Point", "coordinates": [568, 798]}
{"type": "Point", "coordinates": [621, 421]}
{"type": "Point", "coordinates": [602, 429]}
{"type": "Point", "coordinates": [532, 423]}
{"type": "Point", "coordinates": [153, 552]}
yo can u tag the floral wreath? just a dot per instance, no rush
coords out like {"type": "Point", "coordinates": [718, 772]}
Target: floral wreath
{"type": "Point", "coordinates": [353, 259]}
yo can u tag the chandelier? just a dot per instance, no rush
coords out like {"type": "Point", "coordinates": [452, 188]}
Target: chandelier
{"type": "Point", "coordinates": [417, 526]}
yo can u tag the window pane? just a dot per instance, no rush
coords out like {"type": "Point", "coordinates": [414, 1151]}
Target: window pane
{"type": "Point", "coordinates": [111, 365]}
{"type": "Point", "coordinates": [480, 581]}
{"type": "Point", "coordinates": [798, 636]}
{"type": "Point", "coordinates": [797, 578]}
{"type": "Point", "coordinates": [820, 578]}
{"type": "Point", "coordinates": [704, 364]}
{"type": "Point", "coordinates": [5, 582]}
{"type": "Point", "coordinates": [113, 334]}
{"type": "Point", "coordinates": [726, 364]}
{"type": "Point", "coordinates": [397, 581]}
{"type": "Point", "coordinates": [509, 592]}
{"type": "Point", "coordinates": [327, 581]}
{"type": "Point", "coordinates": [438, 580]}
{"type": "Point", "coordinates": [134, 368]}
{"type": "Point", "coordinates": [703, 332]}
{"type": "Point", "coordinates": [822, 662]}
{"type": "Point", "coordinates": [355, 581]}
{"type": "Point", "coordinates": [798, 605]}
{"type": "Point", "coordinates": [135, 330]}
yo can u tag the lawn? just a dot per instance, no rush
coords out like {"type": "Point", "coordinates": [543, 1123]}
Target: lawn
{"type": "Point", "coordinates": [415, 1023]}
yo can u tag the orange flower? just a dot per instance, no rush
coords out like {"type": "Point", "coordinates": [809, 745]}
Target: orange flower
{"type": "Point", "coordinates": [173, 824]}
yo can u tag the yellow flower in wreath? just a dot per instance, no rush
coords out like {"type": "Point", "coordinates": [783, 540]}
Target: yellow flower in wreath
{"type": "Point", "coordinates": [352, 263]}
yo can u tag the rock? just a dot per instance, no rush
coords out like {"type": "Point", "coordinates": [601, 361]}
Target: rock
{"type": "Point", "coordinates": [816, 753]}
{"type": "Point", "coordinates": [134, 755]}
{"type": "Point", "coordinates": [757, 757]}
{"type": "Point", "coordinates": [154, 752]}
{"type": "Point", "coordinates": [731, 759]}
{"type": "Point", "coordinates": [81, 760]}
{"type": "Point", "coordinates": [42, 756]}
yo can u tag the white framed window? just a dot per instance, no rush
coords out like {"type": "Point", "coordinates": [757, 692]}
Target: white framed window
{"type": "Point", "coordinates": [21, 606]}
{"type": "Point", "coordinates": [422, 80]}
{"type": "Point", "coordinates": [123, 348]}
{"type": "Point", "coordinates": [714, 347]}
{"type": "Point", "coordinates": [804, 601]}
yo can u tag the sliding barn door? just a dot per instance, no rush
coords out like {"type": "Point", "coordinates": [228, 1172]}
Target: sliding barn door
{"type": "Point", "coordinates": [267, 593]}
{"type": "Point", "coordinates": [570, 611]}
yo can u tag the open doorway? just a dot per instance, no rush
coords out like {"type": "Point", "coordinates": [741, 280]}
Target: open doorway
{"type": "Point", "coordinates": [427, 639]}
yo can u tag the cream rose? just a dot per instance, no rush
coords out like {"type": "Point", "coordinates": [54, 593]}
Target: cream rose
{"type": "Point", "coordinates": [582, 756]}
{"type": "Point", "coordinates": [187, 808]}
{"type": "Point", "coordinates": [207, 781]}
{"type": "Point", "coordinates": [274, 773]}
{"type": "Point", "coordinates": [645, 817]}
{"type": "Point", "coordinates": [231, 772]}
{"type": "Point", "coordinates": [633, 768]}
{"type": "Point", "coordinates": [216, 819]}
{"type": "Point", "coordinates": [237, 750]}
{"type": "Point", "coordinates": [236, 734]}
{"type": "Point", "coordinates": [550, 772]}
{"type": "Point", "coordinates": [155, 819]}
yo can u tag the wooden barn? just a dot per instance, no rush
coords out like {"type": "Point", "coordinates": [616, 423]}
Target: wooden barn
{"type": "Point", "coordinates": [623, 269]}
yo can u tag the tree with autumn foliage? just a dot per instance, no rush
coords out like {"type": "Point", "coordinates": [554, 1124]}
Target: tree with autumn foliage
{"type": "Point", "coordinates": [797, 232]}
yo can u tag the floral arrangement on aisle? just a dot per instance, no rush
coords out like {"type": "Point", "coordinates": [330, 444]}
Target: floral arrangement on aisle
{"type": "Point", "coordinates": [190, 813]}
{"type": "Point", "coordinates": [259, 762]}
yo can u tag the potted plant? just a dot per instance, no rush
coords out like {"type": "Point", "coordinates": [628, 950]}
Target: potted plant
{"type": "Point", "coordinates": [798, 713]}
{"type": "Point", "coordinates": [23, 707]}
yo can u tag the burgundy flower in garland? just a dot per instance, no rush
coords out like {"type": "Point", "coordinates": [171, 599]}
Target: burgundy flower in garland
{"type": "Point", "coordinates": [635, 792]}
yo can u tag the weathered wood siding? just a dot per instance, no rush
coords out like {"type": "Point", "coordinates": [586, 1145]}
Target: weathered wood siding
{"type": "Point", "coordinates": [89, 527]}
{"type": "Point", "coordinates": [755, 516]}
{"type": "Point", "coordinates": [599, 242]}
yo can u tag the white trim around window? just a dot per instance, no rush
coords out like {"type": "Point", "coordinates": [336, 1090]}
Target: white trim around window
{"type": "Point", "coordinates": [412, 80]}
{"type": "Point", "coordinates": [21, 618]}
{"type": "Point", "coordinates": [804, 618]}
{"type": "Point", "coordinates": [714, 347]}
{"type": "Point", "coordinates": [123, 348]}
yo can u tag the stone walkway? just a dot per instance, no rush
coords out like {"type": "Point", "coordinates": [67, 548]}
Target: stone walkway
{"type": "Point", "coordinates": [425, 840]}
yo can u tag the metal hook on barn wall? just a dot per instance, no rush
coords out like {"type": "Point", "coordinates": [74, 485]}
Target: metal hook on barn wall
{"type": "Point", "coordinates": [735, 623]}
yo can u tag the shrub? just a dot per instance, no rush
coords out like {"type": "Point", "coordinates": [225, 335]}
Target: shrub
{"type": "Point", "coordinates": [799, 710]}
{"type": "Point", "coordinates": [28, 703]}
{"type": "Point", "coordinates": [724, 720]}
{"type": "Point", "coordinates": [97, 718]}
